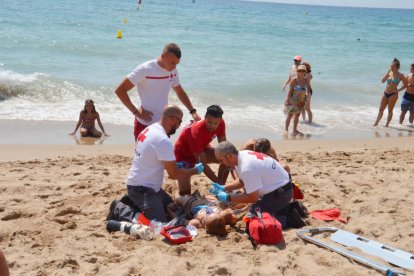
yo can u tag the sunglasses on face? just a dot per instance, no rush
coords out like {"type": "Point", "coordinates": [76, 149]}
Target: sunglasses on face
{"type": "Point", "coordinates": [179, 120]}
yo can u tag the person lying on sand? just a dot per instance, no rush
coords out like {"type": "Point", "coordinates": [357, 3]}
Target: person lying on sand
{"type": "Point", "coordinates": [205, 212]}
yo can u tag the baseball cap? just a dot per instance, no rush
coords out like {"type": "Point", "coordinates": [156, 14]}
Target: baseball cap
{"type": "Point", "coordinates": [302, 68]}
{"type": "Point", "coordinates": [298, 57]}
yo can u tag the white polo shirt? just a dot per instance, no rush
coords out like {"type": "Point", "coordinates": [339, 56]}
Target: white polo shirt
{"type": "Point", "coordinates": [260, 172]}
{"type": "Point", "coordinates": [152, 146]}
{"type": "Point", "coordinates": [153, 84]}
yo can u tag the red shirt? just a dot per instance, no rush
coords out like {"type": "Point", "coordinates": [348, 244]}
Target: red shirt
{"type": "Point", "coordinates": [195, 138]}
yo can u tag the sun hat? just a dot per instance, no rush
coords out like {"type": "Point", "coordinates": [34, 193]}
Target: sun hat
{"type": "Point", "coordinates": [302, 68]}
{"type": "Point", "coordinates": [298, 57]}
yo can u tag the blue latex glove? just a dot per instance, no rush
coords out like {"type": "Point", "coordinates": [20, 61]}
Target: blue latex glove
{"type": "Point", "coordinates": [216, 188]}
{"type": "Point", "coordinates": [223, 197]}
{"type": "Point", "coordinates": [199, 167]}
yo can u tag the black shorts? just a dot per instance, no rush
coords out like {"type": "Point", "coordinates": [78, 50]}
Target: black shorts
{"type": "Point", "coordinates": [275, 201]}
{"type": "Point", "coordinates": [193, 202]}
{"type": "Point", "coordinates": [152, 204]}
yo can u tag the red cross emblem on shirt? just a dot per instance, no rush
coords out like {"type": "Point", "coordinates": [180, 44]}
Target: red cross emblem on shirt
{"type": "Point", "coordinates": [141, 136]}
{"type": "Point", "coordinates": [259, 155]}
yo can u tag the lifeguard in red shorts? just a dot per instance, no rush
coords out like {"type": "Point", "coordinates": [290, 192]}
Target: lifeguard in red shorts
{"type": "Point", "coordinates": [154, 80]}
{"type": "Point", "coordinates": [193, 144]}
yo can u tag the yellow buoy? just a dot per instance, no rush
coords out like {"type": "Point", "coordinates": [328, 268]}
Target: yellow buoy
{"type": "Point", "coordinates": [125, 21]}
{"type": "Point", "coordinates": [119, 34]}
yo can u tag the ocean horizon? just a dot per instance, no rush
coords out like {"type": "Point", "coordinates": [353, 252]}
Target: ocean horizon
{"type": "Point", "coordinates": [235, 53]}
{"type": "Point", "coordinates": [337, 6]}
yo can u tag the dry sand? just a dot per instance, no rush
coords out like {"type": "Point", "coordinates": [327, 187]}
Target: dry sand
{"type": "Point", "coordinates": [54, 200]}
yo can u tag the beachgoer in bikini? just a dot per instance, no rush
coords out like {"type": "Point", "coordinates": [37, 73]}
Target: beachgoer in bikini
{"type": "Point", "coordinates": [296, 99]}
{"type": "Point", "coordinates": [309, 96]}
{"type": "Point", "coordinates": [86, 121]}
{"type": "Point", "coordinates": [407, 102]}
{"type": "Point", "coordinates": [393, 77]}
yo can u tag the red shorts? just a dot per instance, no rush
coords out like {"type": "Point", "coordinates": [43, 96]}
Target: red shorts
{"type": "Point", "coordinates": [186, 155]}
{"type": "Point", "coordinates": [138, 128]}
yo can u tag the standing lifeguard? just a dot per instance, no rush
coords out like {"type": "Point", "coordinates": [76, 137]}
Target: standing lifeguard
{"type": "Point", "coordinates": [154, 80]}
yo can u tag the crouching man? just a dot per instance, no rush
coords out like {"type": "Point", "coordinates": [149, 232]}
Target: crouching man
{"type": "Point", "coordinates": [154, 152]}
{"type": "Point", "coordinates": [265, 181]}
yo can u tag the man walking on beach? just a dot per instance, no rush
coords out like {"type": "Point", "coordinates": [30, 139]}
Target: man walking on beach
{"type": "Point", "coordinates": [154, 80]}
{"type": "Point", "coordinates": [154, 152]}
{"type": "Point", "coordinates": [407, 102]}
{"type": "Point", "coordinates": [193, 145]}
{"type": "Point", "coordinates": [292, 71]}
{"type": "Point", "coordinates": [266, 183]}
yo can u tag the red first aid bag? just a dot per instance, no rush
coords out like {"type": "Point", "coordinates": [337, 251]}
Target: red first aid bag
{"type": "Point", "coordinates": [176, 234]}
{"type": "Point", "coordinates": [264, 229]}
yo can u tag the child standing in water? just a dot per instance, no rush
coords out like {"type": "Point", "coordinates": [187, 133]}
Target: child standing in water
{"type": "Point", "coordinates": [86, 121]}
{"type": "Point", "coordinates": [296, 99]}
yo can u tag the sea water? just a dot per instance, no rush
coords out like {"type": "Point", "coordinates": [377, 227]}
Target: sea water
{"type": "Point", "coordinates": [56, 54]}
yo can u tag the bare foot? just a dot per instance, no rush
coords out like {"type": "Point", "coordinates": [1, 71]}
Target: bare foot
{"type": "Point", "coordinates": [297, 132]}
{"type": "Point", "coordinates": [285, 133]}
{"type": "Point", "coordinates": [375, 124]}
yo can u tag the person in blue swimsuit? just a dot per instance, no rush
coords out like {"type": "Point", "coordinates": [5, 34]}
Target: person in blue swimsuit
{"type": "Point", "coordinates": [393, 77]}
{"type": "Point", "coordinates": [296, 100]}
{"type": "Point", "coordinates": [407, 102]}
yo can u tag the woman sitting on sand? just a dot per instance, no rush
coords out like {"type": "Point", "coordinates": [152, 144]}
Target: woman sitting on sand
{"type": "Point", "coordinates": [87, 119]}
{"type": "Point", "coordinates": [393, 77]}
{"type": "Point", "coordinates": [296, 99]}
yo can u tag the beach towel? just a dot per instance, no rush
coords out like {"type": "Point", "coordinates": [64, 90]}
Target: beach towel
{"type": "Point", "coordinates": [328, 214]}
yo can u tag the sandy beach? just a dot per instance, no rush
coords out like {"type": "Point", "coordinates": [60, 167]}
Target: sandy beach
{"type": "Point", "coordinates": [56, 188]}
{"type": "Point", "coordinates": [54, 200]}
